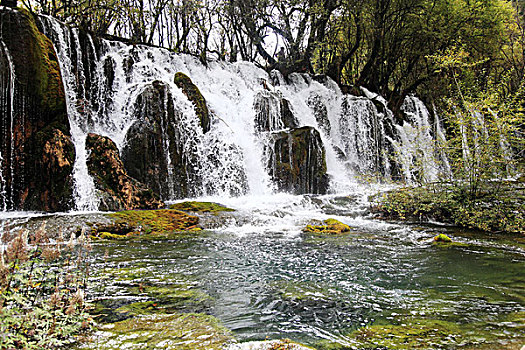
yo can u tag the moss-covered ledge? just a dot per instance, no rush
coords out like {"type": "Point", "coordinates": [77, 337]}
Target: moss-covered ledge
{"type": "Point", "coordinates": [131, 224]}
{"type": "Point", "coordinates": [201, 207]}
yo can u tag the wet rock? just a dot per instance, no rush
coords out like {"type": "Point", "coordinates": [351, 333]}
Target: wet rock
{"type": "Point", "coordinates": [153, 152]}
{"type": "Point", "coordinates": [315, 102]}
{"type": "Point", "coordinates": [273, 112]}
{"type": "Point", "coordinates": [119, 190]}
{"type": "Point", "coordinates": [34, 129]}
{"type": "Point", "coordinates": [442, 238]}
{"type": "Point", "coordinates": [284, 344]}
{"type": "Point", "coordinates": [177, 331]}
{"type": "Point", "coordinates": [140, 223]}
{"type": "Point", "coordinates": [297, 161]}
{"type": "Point", "coordinates": [202, 207]}
{"type": "Point", "coordinates": [194, 95]}
{"type": "Point", "coordinates": [329, 226]}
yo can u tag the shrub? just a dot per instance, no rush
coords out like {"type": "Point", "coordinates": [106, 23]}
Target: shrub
{"type": "Point", "coordinates": [42, 286]}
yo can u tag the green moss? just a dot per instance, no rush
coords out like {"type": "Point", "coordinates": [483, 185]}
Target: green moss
{"type": "Point", "coordinates": [46, 76]}
{"type": "Point", "coordinates": [414, 334]}
{"type": "Point", "coordinates": [194, 95]}
{"type": "Point", "coordinates": [108, 235]}
{"type": "Point", "coordinates": [146, 224]}
{"type": "Point", "coordinates": [177, 331]}
{"type": "Point", "coordinates": [442, 238]}
{"type": "Point", "coordinates": [203, 207]}
{"type": "Point", "coordinates": [331, 226]}
{"type": "Point", "coordinates": [172, 296]}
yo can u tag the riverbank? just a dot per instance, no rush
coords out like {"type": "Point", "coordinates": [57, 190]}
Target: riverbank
{"type": "Point", "coordinates": [498, 207]}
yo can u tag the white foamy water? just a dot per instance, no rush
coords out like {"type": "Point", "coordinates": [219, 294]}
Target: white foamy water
{"type": "Point", "coordinates": [103, 84]}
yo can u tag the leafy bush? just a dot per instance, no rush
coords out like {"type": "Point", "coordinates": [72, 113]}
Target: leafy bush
{"type": "Point", "coordinates": [499, 207]}
{"type": "Point", "coordinates": [42, 291]}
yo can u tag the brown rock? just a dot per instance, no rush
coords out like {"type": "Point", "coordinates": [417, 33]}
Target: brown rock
{"type": "Point", "coordinates": [119, 190]}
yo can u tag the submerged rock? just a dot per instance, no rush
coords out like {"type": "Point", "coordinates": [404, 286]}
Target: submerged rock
{"type": "Point", "coordinates": [413, 334]}
{"type": "Point", "coordinates": [194, 95]}
{"type": "Point", "coordinates": [177, 331]}
{"type": "Point", "coordinates": [297, 161]}
{"type": "Point", "coordinates": [284, 344]}
{"type": "Point", "coordinates": [35, 147]}
{"type": "Point", "coordinates": [119, 190]}
{"type": "Point", "coordinates": [331, 226]}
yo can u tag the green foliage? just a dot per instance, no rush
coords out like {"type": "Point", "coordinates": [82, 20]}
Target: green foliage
{"type": "Point", "coordinates": [42, 292]}
{"type": "Point", "coordinates": [493, 211]}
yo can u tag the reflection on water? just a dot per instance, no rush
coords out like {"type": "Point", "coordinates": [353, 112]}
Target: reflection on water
{"type": "Point", "coordinates": [264, 279]}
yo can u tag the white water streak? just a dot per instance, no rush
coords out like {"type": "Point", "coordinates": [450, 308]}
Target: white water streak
{"type": "Point", "coordinates": [85, 193]}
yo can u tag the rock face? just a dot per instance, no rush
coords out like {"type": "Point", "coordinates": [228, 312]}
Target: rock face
{"type": "Point", "coordinates": [119, 190]}
{"type": "Point", "coordinates": [194, 95]}
{"type": "Point", "coordinates": [315, 102]}
{"type": "Point", "coordinates": [152, 153]}
{"type": "Point", "coordinates": [36, 153]}
{"type": "Point", "coordinates": [297, 161]}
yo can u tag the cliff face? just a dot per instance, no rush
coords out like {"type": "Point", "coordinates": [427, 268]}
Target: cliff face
{"type": "Point", "coordinates": [37, 154]}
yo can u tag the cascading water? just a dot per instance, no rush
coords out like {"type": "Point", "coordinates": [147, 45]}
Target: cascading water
{"type": "Point", "coordinates": [66, 43]}
{"type": "Point", "coordinates": [104, 83]}
{"type": "Point", "coordinates": [416, 147]}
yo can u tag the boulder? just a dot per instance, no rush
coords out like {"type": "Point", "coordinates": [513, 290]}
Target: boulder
{"type": "Point", "coordinates": [119, 190]}
{"type": "Point", "coordinates": [273, 112]}
{"type": "Point", "coordinates": [315, 102]}
{"type": "Point", "coordinates": [194, 95]}
{"type": "Point", "coordinates": [35, 147]}
{"type": "Point", "coordinates": [153, 152]}
{"type": "Point", "coordinates": [297, 161]}
{"type": "Point", "coordinates": [329, 226]}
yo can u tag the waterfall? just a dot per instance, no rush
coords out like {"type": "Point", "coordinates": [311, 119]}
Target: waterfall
{"type": "Point", "coordinates": [7, 173]}
{"type": "Point", "coordinates": [74, 82]}
{"type": "Point", "coordinates": [416, 146]}
{"type": "Point", "coordinates": [107, 84]}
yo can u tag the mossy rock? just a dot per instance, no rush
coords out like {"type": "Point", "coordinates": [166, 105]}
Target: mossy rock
{"type": "Point", "coordinates": [297, 161]}
{"type": "Point", "coordinates": [442, 238]}
{"type": "Point", "coordinates": [168, 171]}
{"type": "Point", "coordinates": [283, 344]}
{"type": "Point", "coordinates": [194, 95]}
{"type": "Point", "coordinates": [39, 140]}
{"type": "Point", "coordinates": [331, 226]}
{"type": "Point", "coordinates": [202, 207]}
{"type": "Point", "coordinates": [165, 299]}
{"type": "Point", "coordinates": [145, 223]}
{"type": "Point", "coordinates": [414, 334]}
{"type": "Point", "coordinates": [177, 331]}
